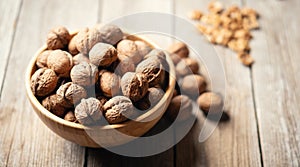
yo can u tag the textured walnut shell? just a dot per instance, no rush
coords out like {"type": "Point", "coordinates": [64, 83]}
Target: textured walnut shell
{"type": "Point", "coordinates": [210, 100]}
{"type": "Point", "coordinates": [187, 66]}
{"type": "Point", "coordinates": [134, 85]}
{"type": "Point", "coordinates": [152, 97]}
{"type": "Point", "coordinates": [70, 116]}
{"type": "Point", "coordinates": [71, 94]}
{"type": "Point", "coordinates": [58, 38]}
{"type": "Point", "coordinates": [143, 48]}
{"type": "Point", "coordinates": [153, 71]}
{"type": "Point", "coordinates": [193, 85]}
{"type": "Point", "coordinates": [43, 82]}
{"type": "Point", "coordinates": [160, 55]}
{"type": "Point", "coordinates": [118, 109]}
{"type": "Point", "coordinates": [175, 58]}
{"type": "Point", "coordinates": [180, 49]}
{"type": "Point", "coordinates": [72, 46]}
{"type": "Point", "coordinates": [86, 39]}
{"type": "Point", "coordinates": [61, 62]}
{"type": "Point", "coordinates": [89, 111]}
{"type": "Point", "coordinates": [129, 48]}
{"type": "Point", "coordinates": [109, 83]}
{"type": "Point", "coordinates": [103, 54]}
{"type": "Point", "coordinates": [41, 60]}
{"type": "Point", "coordinates": [84, 74]}
{"type": "Point", "coordinates": [52, 104]}
{"type": "Point", "coordinates": [79, 58]}
{"type": "Point", "coordinates": [125, 64]}
{"type": "Point", "coordinates": [111, 34]}
{"type": "Point", "coordinates": [180, 106]}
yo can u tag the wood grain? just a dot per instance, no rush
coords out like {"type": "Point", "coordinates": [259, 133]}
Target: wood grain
{"type": "Point", "coordinates": [233, 143]}
{"type": "Point", "coordinates": [276, 81]}
{"type": "Point", "coordinates": [25, 141]}
{"type": "Point", "coordinates": [8, 21]}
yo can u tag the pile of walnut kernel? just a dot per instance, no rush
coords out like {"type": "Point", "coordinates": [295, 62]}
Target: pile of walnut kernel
{"type": "Point", "coordinates": [228, 27]}
{"type": "Point", "coordinates": [98, 74]}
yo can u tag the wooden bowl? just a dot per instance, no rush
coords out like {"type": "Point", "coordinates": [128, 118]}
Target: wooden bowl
{"type": "Point", "coordinates": [109, 135]}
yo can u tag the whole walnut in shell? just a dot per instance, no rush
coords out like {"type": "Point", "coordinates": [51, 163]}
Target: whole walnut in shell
{"type": "Point", "coordinates": [72, 46]}
{"type": "Point", "coordinates": [118, 109]}
{"type": "Point", "coordinates": [70, 94]}
{"type": "Point", "coordinates": [180, 49]}
{"type": "Point", "coordinates": [158, 54]}
{"type": "Point", "coordinates": [86, 39]}
{"type": "Point", "coordinates": [89, 111]}
{"type": "Point", "coordinates": [111, 34]}
{"type": "Point", "coordinates": [143, 48]}
{"type": "Point", "coordinates": [53, 105]}
{"type": "Point", "coordinates": [130, 49]}
{"type": "Point", "coordinates": [180, 106]}
{"type": "Point", "coordinates": [210, 101]}
{"type": "Point", "coordinates": [61, 62]}
{"type": "Point", "coordinates": [79, 58]}
{"type": "Point", "coordinates": [41, 60]}
{"type": "Point", "coordinates": [84, 74]}
{"type": "Point", "coordinates": [58, 38]}
{"type": "Point", "coordinates": [134, 85]}
{"type": "Point", "coordinates": [103, 54]}
{"type": "Point", "coordinates": [153, 70]}
{"type": "Point", "coordinates": [193, 85]}
{"type": "Point", "coordinates": [109, 83]}
{"type": "Point", "coordinates": [43, 82]}
{"type": "Point", "coordinates": [187, 66]}
{"type": "Point", "coordinates": [125, 64]}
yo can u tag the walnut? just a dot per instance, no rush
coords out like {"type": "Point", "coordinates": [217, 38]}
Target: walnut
{"type": "Point", "coordinates": [158, 54]}
{"type": "Point", "coordinates": [180, 49]}
{"type": "Point", "coordinates": [110, 34]}
{"type": "Point", "coordinates": [193, 85]}
{"type": "Point", "coordinates": [79, 58]}
{"type": "Point", "coordinates": [125, 64]}
{"type": "Point", "coordinates": [86, 39]}
{"type": "Point", "coordinates": [130, 49]}
{"type": "Point", "coordinates": [43, 82]}
{"type": "Point", "coordinates": [143, 48]}
{"type": "Point", "coordinates": [152, 97]}
{"type": "Point", "coordinates": [175, 58]}
{"type": "Point", "coordinates": [84, 74]}
{"type": "Point", "coordinates": [72, 46]}
{"type": "Point", "coordinates": [41, 60]}
{"type": "Point", "coordinates": [134, 85]}
{"type": "Point", "coordinates": [103, 54]}
{"type": "Point", "coordinates": [70, 94]}
{"type": "Point", "coordinates": [153, 70]}
{"type": "Point", "coordinates": [118, 109]}
{"type": "Point", "coordinates": [52, 104]}
{"type": "Point", "coordinates": [187, 66]}
{"type": "Point", "coordinates": [109, 83]}
{"type": "Point", "coordinates": [180, 106]}
{"type": "Point", "coordinates": [70, 116]}
{"type": "Point", "coordinates": [89, 111]}
{"type": "Point", "coordinates": [195, 15]}
{"type": "Point", "coordinates": [61, 62]}
{"type": "Point", "coordinates": [210, 101]}
{"type": "Point", "coordinates": [58, 38]}
{"type": "Point", "coordinates": [215, 7]}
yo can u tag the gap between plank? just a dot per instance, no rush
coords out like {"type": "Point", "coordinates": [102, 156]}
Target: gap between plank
{"type": "Point", "coordinates": [16, 21]}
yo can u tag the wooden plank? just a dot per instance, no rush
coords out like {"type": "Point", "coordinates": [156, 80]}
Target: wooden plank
{"type": "Point", "coordinates": [116, 8]}
{"type": "Point", "coordinates": [25, 140]}
{"type": "Point", "coordinates": [233, 143]}
{"type": "Point", "coordinates": [276, 81]}
{"type": "Point", "coordinates": [8, 19]}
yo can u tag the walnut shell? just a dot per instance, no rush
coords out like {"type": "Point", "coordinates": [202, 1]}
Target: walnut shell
{"type": "Point", "coordinates": [134, 85]}
{"type": "Point", "coordinates": [70, 94]}
{"type": "Point", "coordinates": [180, 49]}
{"type": "Point", "coordinates": [89, 111]}
{"type": "Point", "coordinates": [210, 100]}
{"type": "Point", "coordinates": [129, 48]}
{"type": "Point", "coordinates": [52, 104]}
{"type": "Point", "coordinates": [58, 38]}
{"type": "Point", "coordinates": [86, 39]}
{"type": "Point", "coordinates": [125, 65]}
{"type": "Point", "coordinates": [187, 66]}
{"type": "Point", "coordinates": [118, 109]}
{"type": "Point", "coordinates": [143, 48]}
{"type": "Point", "coordinates": [72, 46]}
{"type": "Point", "coordinates": [103, 54]}
{"type": "Point", "coordinates": [61, 62]}
{"type": "Point", "coordinates": [79, 58]}
{"type": "Point", "coordinates": [160, 55]}
{"type": "Point", "coordinates": [152, 97]}
{"type": "Point", "coordinates": [111, 34]}
{"type": "Point", "coordinates": [43, 82]}
{"type": "Point", "coordinates": [180, 106]}
{"type": "Point", "coordinates": [109, 83]}
{"type": "Point", "coordinates": [153, 71]}
{"type": "Point", "coordinates": [41, 60]}
{"type": "Point", "coordinates": [193, 85]}
{"type": "Point", "coordinates": [84, 74]}
{"type": "Point", "coordinates": [70, 116]}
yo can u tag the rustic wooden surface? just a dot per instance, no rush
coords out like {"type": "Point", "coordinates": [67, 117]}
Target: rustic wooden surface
{"type": "Point", "coordinates": [262, 101]}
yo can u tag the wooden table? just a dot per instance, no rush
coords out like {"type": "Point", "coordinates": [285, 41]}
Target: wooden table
{"type": "Point", "coordinates": [263, 101]}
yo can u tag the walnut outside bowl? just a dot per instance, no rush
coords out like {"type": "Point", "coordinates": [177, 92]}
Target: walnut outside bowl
{"type": "Point", "coordinates": [108, 135]}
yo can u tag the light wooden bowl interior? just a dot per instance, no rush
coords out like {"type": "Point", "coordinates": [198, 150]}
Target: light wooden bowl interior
{"type": "Point", "coordinates": [108, 135]}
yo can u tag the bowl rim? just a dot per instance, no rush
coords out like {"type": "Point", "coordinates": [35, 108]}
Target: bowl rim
{"type": "Point", "coordinates": [49, 115]}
